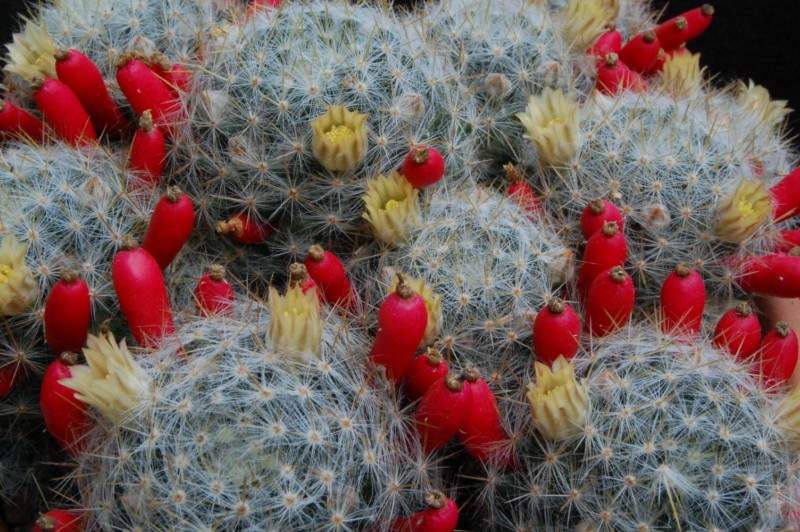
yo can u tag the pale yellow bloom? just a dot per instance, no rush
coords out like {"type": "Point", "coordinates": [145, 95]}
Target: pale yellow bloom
{"type": "Point", "coordinates": [30, 55]}
{"type": "Point", "coordinates": [552, 123]}
{"type": "Point", "coordinates": [18, 287]}
{"type": "Point", "coordinates": [392, 207]}
{"type": "Point", "coordinates": [583, 21]}
{"type": "Point", "coordinates": [789, 417]}
{"type": "Point", "coordinates": [295, 327]}
{"type": "Point", "coordinates": [559, 404]}
{"type": "Point", "coordinates": [111, 382]}
{"type": "Point", "coordinates": [433, 304]}
{"type": "Point", "coordinates": [340, 138]}
{"type": "Point", "coordinates": [683, 76]}
{"type": "Point", "coordinates": [756, 99]}
{"type": "Point", "coordinates": [743, 212]}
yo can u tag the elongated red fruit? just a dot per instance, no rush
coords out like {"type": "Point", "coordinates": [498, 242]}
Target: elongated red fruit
{"type": "Point", "coordinates": [596, 213]}
{"type": "Point", "coordinates": [522, 193]}
{"type": "Point", "coordinates": [683, 298]}
{"type": "Point", "coordinates": [142, 294]}
{"type": "Point", "coordinates": [775, 274]}
{"type": "Point", "coordinates": [482, 431]}
{"type": "Point", "coordinates": [63, 112]}
{"type": "Point", "coordinates": [608, 43]}
{"type": "Point", "coordinates": [786, 196]}
{"type": "Point", "coordinates": [148, 155]}
{"type": "Point", "coordinates": [16, 123]}
{"type": "Point", "coordinates": [609, 303]}
{"type": "Point", "coordinates": [777, 356]}
{"type": "Point", "coordinates": [685, 27]}
{"type": "Point", "coordinates": [60, 521]}
{"type": "Point", "coordinates": [328, 272]}
{"type": "Point", "coordinates": [243, 229]}
{"type": "Point", "coordinates": [67, 314]}
{"type": "Point", "coordinates": [424, 371]}
{"type": "Point", "coordinates": [614, 76]}
{"type": "Point", "coordinates": [556, 332]}
{"type": "Point", "coordinates": [81, 75]}
{"type": "Point", "coordinates": [145, 90]}
{"type": "Point", "coordinates": [9, 378]}
{"type": "Point", "coordinates": [788, 239]}
{"type": "Point", "coordinates": [170, 226]}
{"type": "Point", "coordinates": [658, 66]}
{"type": "Point", "coordinates": [440, 516]}
{"type": "Point", "coordinates": [442, 411]}
{"type": "Point", "coordinates": [641, 52]}
{"type": "Point", "coordinates": [423, 166]}
{"type": "Point", "coordinates": [67, 418]}
{"type": "Point", "coordinates": [402, 320]}
{"type": "Point", "coordinates": [214, 294]}
{"type": "Point", "coordinates": [605, 249]}
{"type": "Point", "coordinates": [177, 77]}
{"type": "Point", "coordinates": [738, 332]}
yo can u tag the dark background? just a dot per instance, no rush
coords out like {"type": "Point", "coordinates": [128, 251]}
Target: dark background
{"type": "Point", "coordinates": [748, 39]}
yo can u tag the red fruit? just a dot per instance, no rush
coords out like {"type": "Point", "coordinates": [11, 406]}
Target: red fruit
{"type": "Point", "coordinates": [777, 357]}
{"type": "Point", "coordinates": [789, 238]}
{"type": "Point", "coordinates": [298, 274]}
{"type": "Point", "coordinates": [609, 303]}
{"type": "Point", "coordinates": [685, 27]}
{"type": "Point", "coordinates": [738, 332]}
{"type": "Point", "coordinates": [440, 516]}
{"type": "Point", "coordinates": [170, 226]}
{"type": "Point", "coordinates": [683, 298]}
{"type": "Point", "coordinates": [661, 58]}
{"type": "Point", "coordinates": [641, 52]}
{"type": "Point", "coordinates": [442, 410]}
{"type": "Point", "coordinates": [482, 431]}
{"type": "Point", "coordinates": [81, 75]}
{"type": "Point", "coordinates": [9, 378]}
{"type": "Point", "coordinates": [595, 213]}
{"type": "Point", "coordinates": [556, 332]}
{"type": "Point", "coordinates": [67, 419]}
{"type": "Point", "coordinates": [214, 294]}
{"type": "Point", "coordinates": [256, 6]}
{"type": "Point", "coordinates": [142, 295]}
{"type": "Point", "coordinates": [144, 90]}
{"type": "Point", "coordinates": [16, 123]}
{"type": "Point", "coordinates": [614, 76]}
{"type": "Point", "coordinates": [60, 521]}
{"type": "Point", "coordinates": [608, 43]}
{"type": "Point", "coordinates": [786, 196]}
{"type": "Point", "coordinates": [776, 274]}
{"type": "Point", "coordinates": [63, 112]}
{"type": "Point", "coordinates": [402, 320]}
{"type": "Point", "coordinates": [67, 314]}
{"type": "Point", "coordinates": [148, 155]}
{"type": "Point", "coordinates": [522, 192]}
{"type": "Point", "coordinates": [604, 250]}
{"type": "Point", "coordinates": [244, 230]}
{"type": "Point", "coordinates": [176, 77]}
{"type": "Point", "coordinates": [424, 371]}
{"type": "Point", "coordinates": [328, 272]}
{"type": "Point", "coordinates": [423, 166]}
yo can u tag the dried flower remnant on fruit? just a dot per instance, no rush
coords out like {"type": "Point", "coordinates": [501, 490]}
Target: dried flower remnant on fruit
{"type": "Point", "coordinates": [392, 207]}
{"type": "Point", "coordinates": [756, 99]}
{"type": "Point", "coordinates": [683, 76]}
{"type": "Point", "coordinates": [583, 21]}
{"type": "Point", "coordinates": [340, 138]}
{"type": "Point", "coordinates": [742, 213]}
{"type": "Point", "coordinates": [559, 404]}
{"type": "Point", "coordinates": [18, 287]}
{"type": "Point", "coordinates": [295, 327]}
{"type": "Point", "coordinates": [551, 120]}
{"type": "Point", "coordinates": [31, 54]}
{"type": "Point", "coordinates": [433, 304]}
{"type": "Point", "coordinates": [111, 382]}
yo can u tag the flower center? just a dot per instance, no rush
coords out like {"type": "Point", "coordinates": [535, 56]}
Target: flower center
{"type": "Point", "coordinates": [553, 121]}
{"type": "Point", "coordinates": [745, 207]}
{"type": "Point", "coordinates": [391, 205]}
{"type": "Point", "coordinates": [5, 273]}
{"type": "Point", "coordinates": [337, 133]}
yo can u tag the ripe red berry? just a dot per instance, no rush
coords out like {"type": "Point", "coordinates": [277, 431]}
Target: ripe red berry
{"type": "Point", "coordinates": [63, 112]}
{"type": "Point", "coordinates": [614, 76]}
{"type": "Point", "coordinates": [440, 516]}
{"type": "Point", "coordinates": [786, 196]}
{"type": "Point", "coordinates": [777, 356]}
{"type": "Point", "coordinates": [609, 42]}
{"type": "Point", "coordinates": [67, 314]}
{"type": "Point", "coordinates": [482, 430]}
{"type": "Point", "coordinates": [144, 90]}
{"type": "Point", "coordinates": [9, 378]}
{"type": "Point", "coordinates": [402, 320]}
{"type": "Point", "coordinates": [442, 411]}
{"type": "Point", "coordinates": [556, 332]}
{"type": "Point", "coordinates": [16, 123]}
{"type": "Point", "coordinates": [788, 239]}
{"type": "Point", "coordinates": [328, 272]}
{"type": "Point", "coordinates": [148, 155]}
{"type": "Point", "coordinates": [596, 213]}
{"type": "Point", "coordinates": [605, 249]}
{"type": "Point", "coordinates": [677, 30]}
{"type": "Point", "coordinates": [170, 226]}
{"type": "Point", "coordinates": [214, 294]}
{"type": "Point", "coordinates": [141, 292]}
{"type": "Point", "coordinates": [738, 332]}
{"type": "Point", "coordinates": [775, 274]}
{"type": "Point", "coordinates": [683, 298]}
{"type": "Point", "coordinates": [177, 78]}
{"type": "Point", "coordinates": [424, 371]}
{"type": "Point", "coordinates": [522, 193]}
{"type": "Point", "coordinates": [243, 229]}
{"type": "Point", "coordinates": [641, 52]}
{"type": "Point", "coordinates": [423, 166]}
{"type": "Point", "coordinates": [60, 521]}
{"type": "Point", "coordinates": [609, 303]}
{"type": "Point", "coordinates": [67, 418]}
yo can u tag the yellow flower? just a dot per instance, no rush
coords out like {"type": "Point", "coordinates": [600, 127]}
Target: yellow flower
{"type": "Point", "coordinates": [789, 417]}
{"type": "Point", "coordinates": [552, 123]}
{"type": "Point", "coordinates": [112, 381]}
{"type": "Point", "coordinates": [295, 327]}
{"type": "Point", "coordinates": [392, 207]}
{"type": "Point", "coordinates": [743, 212]}
{"type": "Point", "coordinates": [583, 21]}
{"type": "Point", "coordinates": [756, 99]}
{"type": "Point", "coordinates": [30, 55]}
{"type": "Point", "coordinates": [340, 138]}
{"type": "Point", "coordinates": [559, 404]}
{"type": "Point", "coordinates": [683, 75]}
{"type": "Point", "coordinates": [433, 304]}
{"type": "Point", "coordinates": [18, 287]}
